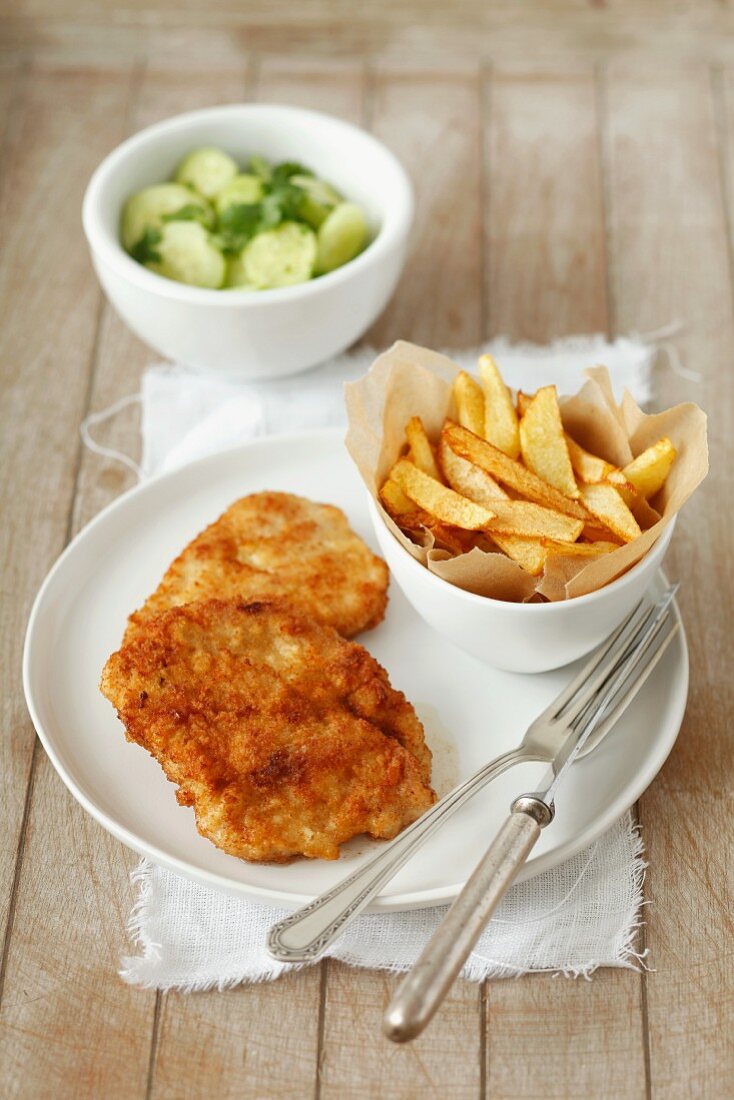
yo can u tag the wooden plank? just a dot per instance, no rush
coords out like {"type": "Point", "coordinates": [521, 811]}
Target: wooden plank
{"type": "Point", "coordinates": [546, 265]}
{"type": "Point", "coordinates": [122, 356]}
{"type": "Point", "coordinates": [45, 285]}
{"type": "Point", "coordinates": [256, 1041]}
{"type": "Point", "coordinates": [262, 1038]}
{"type": "Point", "coordinates": [568, 1038]}
{"type": "Point", "coordinates": [547, 278]}
{"type": "Point", "coordinates": [433, 126]}
{"type": "Point", "coordinates": [671, 263]}
{"type": "Point", "coordinates": [335, 86]}
{"type": "Point", "coordinates": [50, 304]}
{"type": "Point", "coordinates": [356, 1062]}
{"type": "Point", "coordinates": [435, 33]}
{"type": "Point", "coordinates": [75, 963]}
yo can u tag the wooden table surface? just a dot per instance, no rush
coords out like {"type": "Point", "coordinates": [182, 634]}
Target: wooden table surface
{"type": "Point", "coordinates": [574, 167]}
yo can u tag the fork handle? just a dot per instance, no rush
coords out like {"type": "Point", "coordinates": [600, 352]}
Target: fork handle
{"type": "Point", "coordinates": [423, 989]}
{"type": "Point", "coordinates": [304, 935]}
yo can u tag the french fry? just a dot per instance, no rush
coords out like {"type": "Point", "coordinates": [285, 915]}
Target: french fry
{"type": "Point", "coordinates": [520, 517]}
{"type": "Point", "coordinates": [466, 478]}
{"type": "Point", "coordinates": [500, 418]}
{"type": "Point", "coordinates": [469, 402]}
{"type": "Point", "coordinates": [579, 549]}
{"type": "Point", "coordinates": [394, 499]}
{"type": "Point", "coordinates": [594, 532]}
{"type": "Point", "coordinates": [605, 503]}
{"type": "Point", "coordinates": [647, 472]}
{"type": "Point", "coordinates": [507, 517]}
{"type": "Point", "coordinates": [528, 553]}
{"type": "Point", "coordinates": [588, 468]}
{"type": "Point", "coordinates": [421, 451]}
{"type": "Point", "coordinates": [476, 484]}
{"type": "Point", "coordinates": [523, 400]}
{"type": "Point", "coordinates": [543, 443]}
{"type": "Point", "coordinates": [509, 472]}
{"type": "Point", "coordinates": [446, 537]}
{"type": "Point", "coordinates": [439, 501]}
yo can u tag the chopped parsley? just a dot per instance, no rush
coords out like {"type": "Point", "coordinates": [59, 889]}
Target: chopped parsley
{"type": "Point", "coordinates": [145, 251]}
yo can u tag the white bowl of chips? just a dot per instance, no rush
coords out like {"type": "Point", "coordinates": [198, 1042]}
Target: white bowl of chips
{"type": "Point", "coordinates": [518, 637]}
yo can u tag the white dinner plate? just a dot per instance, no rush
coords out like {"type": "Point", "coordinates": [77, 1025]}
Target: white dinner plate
{"type": "Point", "coordinates": [470, 712]}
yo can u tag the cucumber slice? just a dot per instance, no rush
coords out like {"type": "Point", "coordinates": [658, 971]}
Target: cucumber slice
{"type": "Point", "coordinates": [260, 167]}
{"type": "Point", "coordinates": [319, 199]}
{"type": "Point", "coordinates": [236, 278]}
{"type": "Point", "coordinates": [341, 236]}
{"type": "Point", "coordinates": [207, 171]}
{"type": "Point", "coordinates": [187, 255]}
{"type": "Point", "coordinates": [149, 208]}
{"type": "Point", "coordinates": [280, 257]}
{"type": "Point", "coordinates": [243, 190]}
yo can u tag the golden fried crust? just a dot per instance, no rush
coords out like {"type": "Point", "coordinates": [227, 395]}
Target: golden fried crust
{"type": "Point", "coordinates": [285, 738]}
{"type": "Point", "coordinates": [276, 544]}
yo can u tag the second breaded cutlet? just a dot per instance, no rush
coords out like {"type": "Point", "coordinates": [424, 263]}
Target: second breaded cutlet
{"type": "Point", "coordinates": [271, 545]}
{"type": "Point", "coordinates": [284, 737]}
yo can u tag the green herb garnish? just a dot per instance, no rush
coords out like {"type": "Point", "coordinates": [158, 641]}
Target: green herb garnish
{"type": "Point", "coordinates": [145, 251]}
{"type": "Point", "coordinates": [189, 213]}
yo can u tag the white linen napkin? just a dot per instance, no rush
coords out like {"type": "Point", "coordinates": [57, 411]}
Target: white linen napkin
{"type": "Point", "coordinates": [572, 919]}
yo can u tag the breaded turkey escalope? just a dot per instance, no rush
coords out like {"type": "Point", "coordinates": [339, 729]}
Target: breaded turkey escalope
{"type": "Point", "coordinates": [276, 544]}
{"type": "Point", "coordinates": [285, 738]}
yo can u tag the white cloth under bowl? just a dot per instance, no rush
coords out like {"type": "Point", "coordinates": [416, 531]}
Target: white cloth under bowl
{"type": "Point", "coordinates": [579, 916]}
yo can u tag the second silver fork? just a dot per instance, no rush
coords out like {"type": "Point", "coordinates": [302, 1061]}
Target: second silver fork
{"type": "Point", "coordinates": [305, 934]}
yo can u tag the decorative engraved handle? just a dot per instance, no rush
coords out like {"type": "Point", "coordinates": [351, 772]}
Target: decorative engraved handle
{"type": "Point", "coordinates": [305, 934]}
{"type": "Point", "coordinates": [423, 989]}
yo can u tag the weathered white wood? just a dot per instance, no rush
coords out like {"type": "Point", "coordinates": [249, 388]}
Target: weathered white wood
{"type": "Point", "coordinates": [432, 124]}
{"type": "Point", "coordinates": [543, 201]}
{"type": "Point", "coordinates": [670, 263]}
{"type": "Point", "coordinates": [357, 1062]}
{"type": "Point", "coordinates": [547, 278]}
{"type": "Point", "coordinates": [69, 1027]}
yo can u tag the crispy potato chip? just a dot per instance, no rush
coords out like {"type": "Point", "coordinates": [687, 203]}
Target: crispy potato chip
{"type": "Point", "coordinates": [543, 443]}
{"type": "Point", "coordinates": [509, 472]}
{"type": "Point", "coordinates": [588, 468]}
{"type": "Point", "coordinates": [605, 503]}
{"type": "Point", "coordinates": [394, 499]}
{"type": "Point", "coordinates": [529, 553]}
{"type": "Point", "coordinates": [647, 472]}
{"type": "Point", "coordinates": [421, 451]}
{"type": "Point", "coordinates": [469, 402]}
{"type": "Point", "coordinates": [594, 532]}
{"type": "Point", "coordinates": [579, 549]}
{"type": "Point", "coordinates": [445, 537]}
{"type": "Point", "coordinates": [500, 418]}
{"type": "Point", "coordinates": [476, 484]}
{"type": "Point", "coordinates": [625, 488]}
{"type": "Point", "coordinates": [466, 478]}
{"type": "Point", "coordinates": [436, 499]}
{"type": "Point", "coordinates": [523, 400]}
{"type": "Point", "coordinates": [520, 517]}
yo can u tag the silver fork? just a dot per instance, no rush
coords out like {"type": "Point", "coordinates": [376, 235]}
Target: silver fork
{"type": "Point", "coordinates": [424, 987]}
{"type": "Point", "coordinates": [305, 934]}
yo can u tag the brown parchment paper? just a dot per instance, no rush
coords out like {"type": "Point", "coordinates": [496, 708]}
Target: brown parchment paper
{"type": "Point", "coordinates": [408, 380]}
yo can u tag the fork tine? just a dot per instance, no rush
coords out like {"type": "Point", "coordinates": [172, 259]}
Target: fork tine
{"type": "Point", "coordinates": [582, 677]}
{"type": "Point", "coordinates": [622, 678]}
{"type": "Point", "coordinates": [625, 671]}
{"type": "Point", "coordinates": [635, 630]}
{"type": "Point", "coordinates": [624, 696]}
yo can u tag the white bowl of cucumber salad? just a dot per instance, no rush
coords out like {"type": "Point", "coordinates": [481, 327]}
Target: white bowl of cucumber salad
{"type": "Point", "coordinates": [252, 240]}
